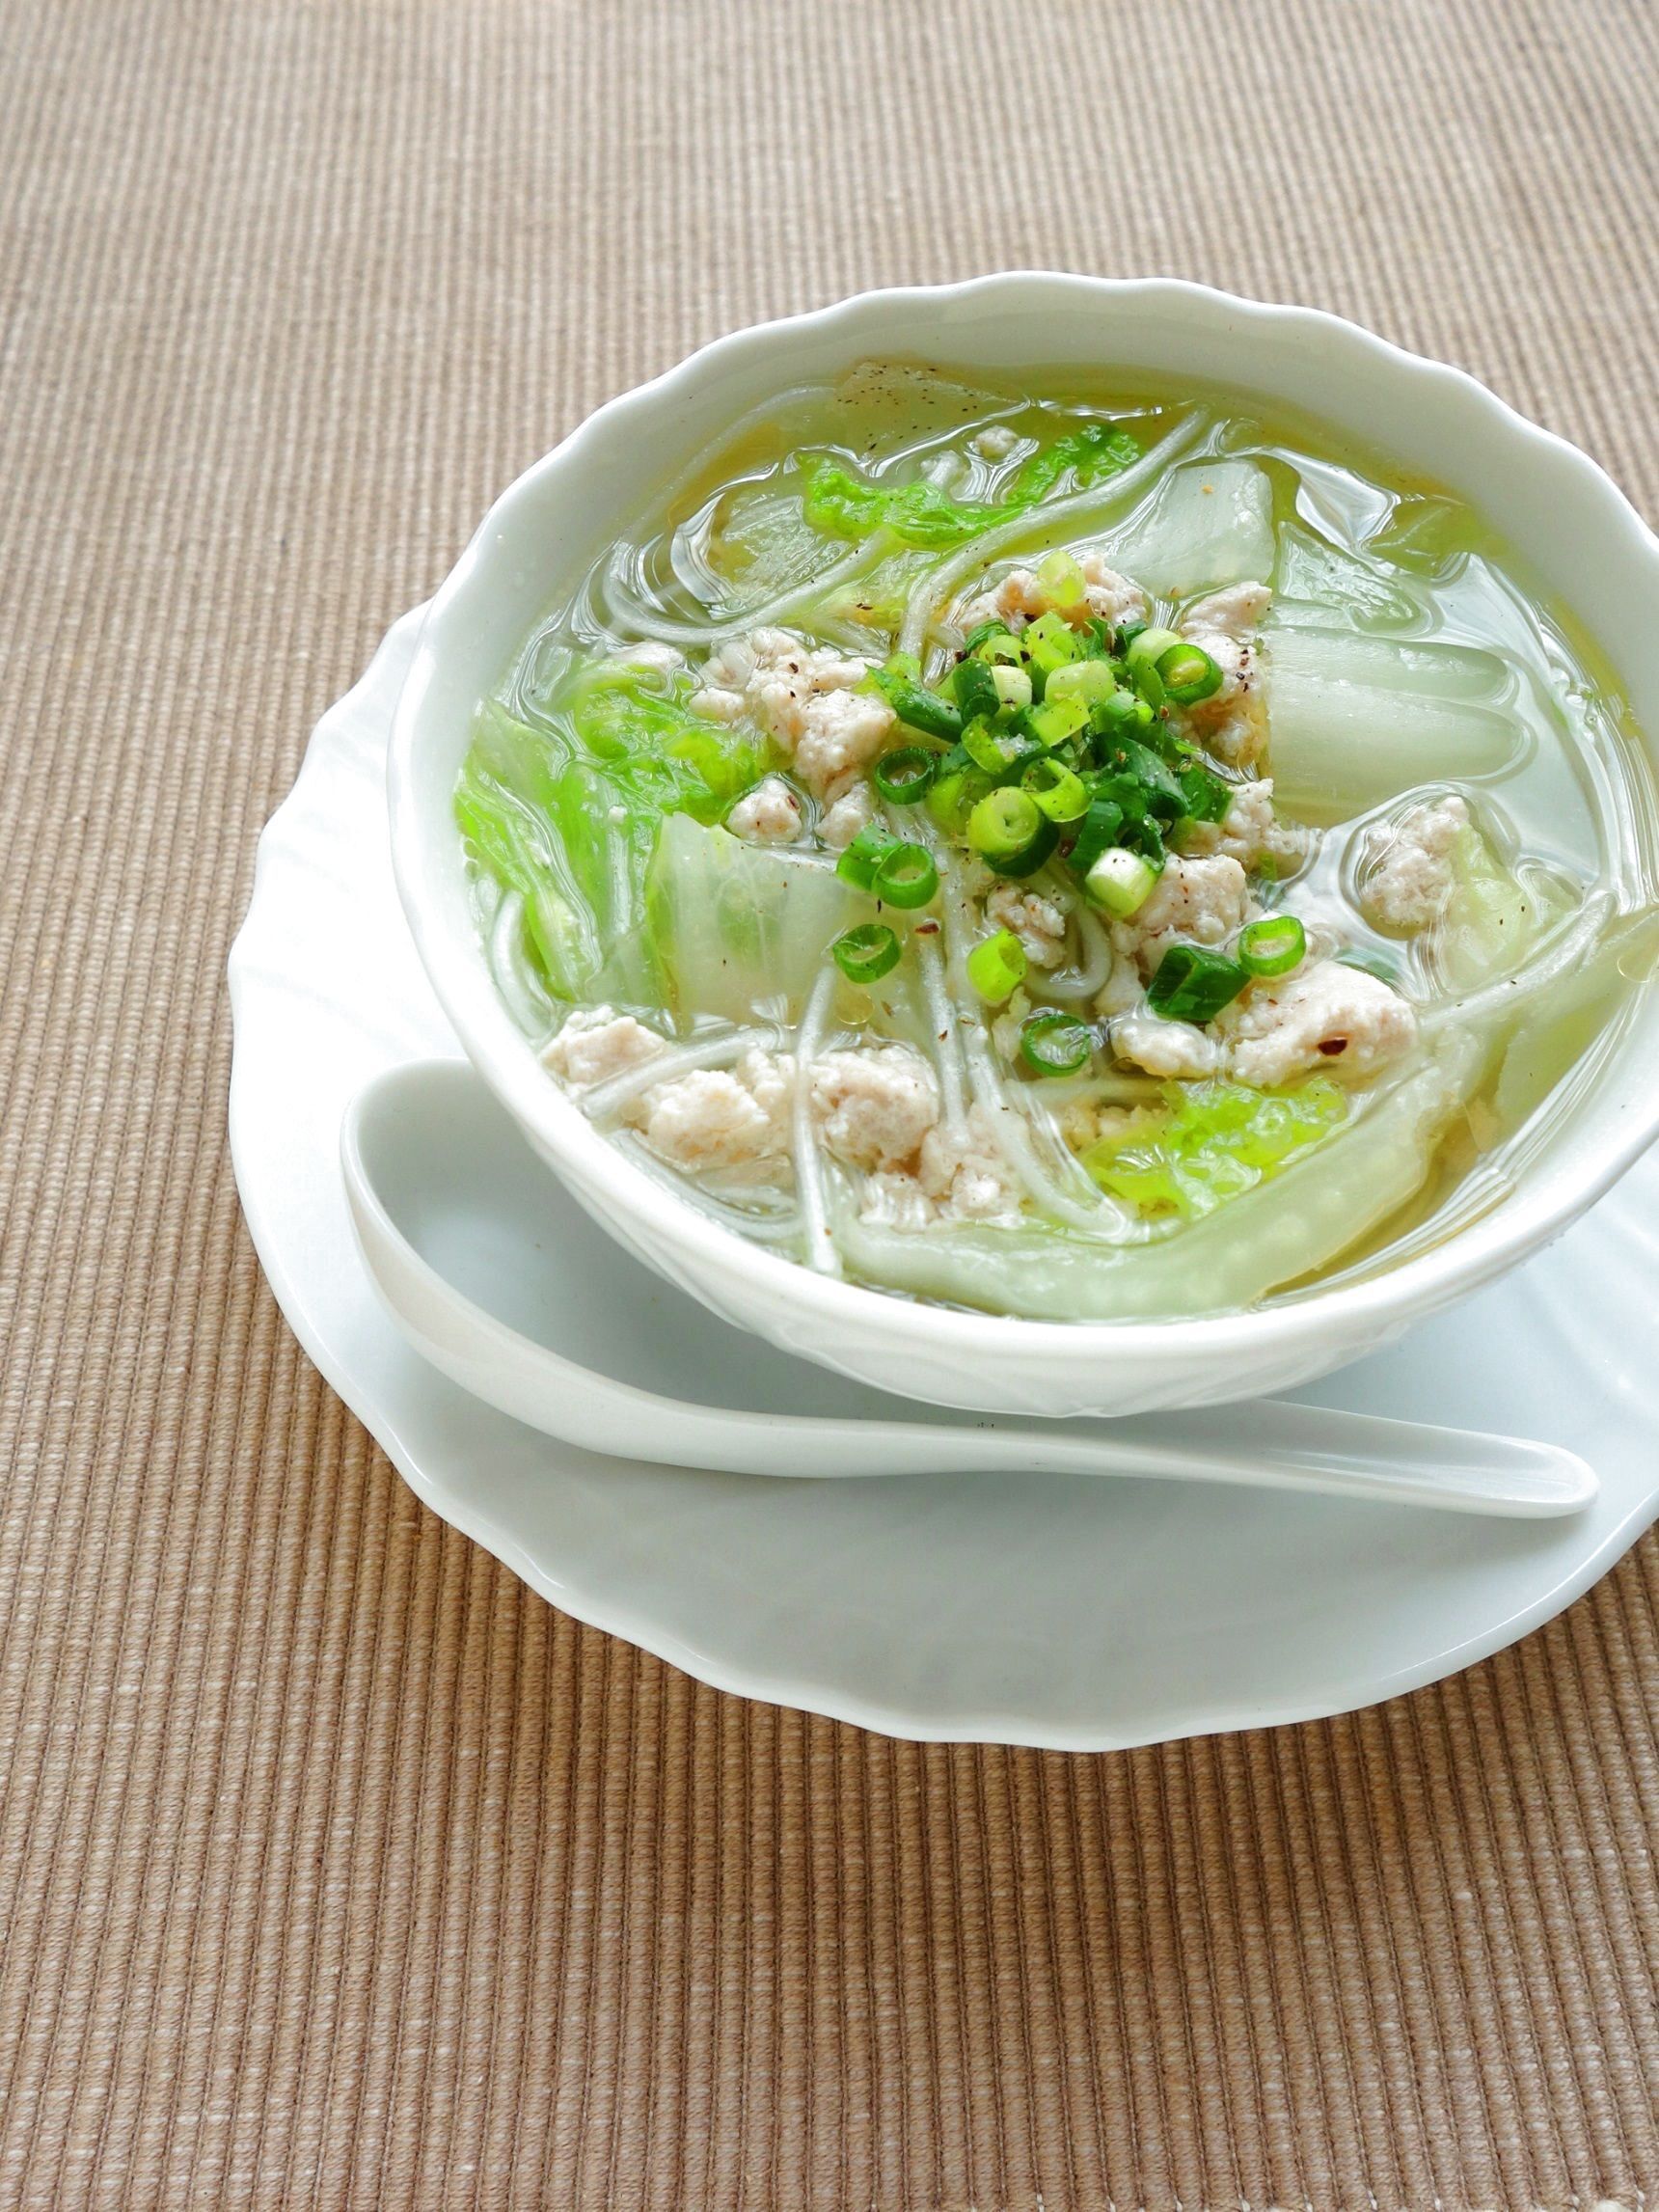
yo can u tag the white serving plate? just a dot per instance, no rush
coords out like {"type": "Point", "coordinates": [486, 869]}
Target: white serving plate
{"type": "Point", "coordinates": [1075, 1614]}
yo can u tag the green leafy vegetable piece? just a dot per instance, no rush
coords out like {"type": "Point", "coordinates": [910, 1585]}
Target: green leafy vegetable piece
{"type": "Point", "coordinates": [1092, 453]}
{"type": "Point", "coordinates": [567, 814]}
{"type": "Point", "coordinates": [1211, 1141]}
{"type": "Point", "coordinates": [836, 502]}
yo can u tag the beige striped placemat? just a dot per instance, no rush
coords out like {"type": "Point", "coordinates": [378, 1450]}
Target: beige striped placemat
{"type": "Point", "coordinates": [335, 1868]}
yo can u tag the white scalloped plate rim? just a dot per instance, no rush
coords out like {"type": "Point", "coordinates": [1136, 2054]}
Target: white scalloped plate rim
{"type": "Point", "coordinates": [301, 1232]}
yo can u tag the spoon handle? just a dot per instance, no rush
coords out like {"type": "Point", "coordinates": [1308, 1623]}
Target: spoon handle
{"type": "Point", "coordinates": [1318, 1450]}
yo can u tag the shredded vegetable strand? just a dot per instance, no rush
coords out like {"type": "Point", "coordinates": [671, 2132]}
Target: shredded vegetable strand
{"type": "Point", "coordinates": [509, 965]}
{"type": "Point", "coordinates": [606, 1099]}
{"type": "Point", "coordinates": [1073, 986]}
{"type": "Point", "coordinates": [780, 1224]}
{"type": "Point", "coordinates": [942, 1017]}
{"type": "Point", "coordinates": [820, 1245]}
{"type": "Point", "coordinates": [1085, 509]}
{"type": "Point", "coordinates": [662, 630]}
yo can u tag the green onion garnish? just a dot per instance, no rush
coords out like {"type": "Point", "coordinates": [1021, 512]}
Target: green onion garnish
{"type": "Point", "coordinates": [975, 684]}
{"type": "Point", "coordinates": [1141, 658]}
{"type": "Point", "coordinates": [997, 967]}
{"type": "Point", "coordinates": [1013, 686]}
{"type": "Point", "coordinates": [902, 777]}
{"type": "Point", "coordinates": [1272, 946]}
{"type": "Point", "coordinates": [1193, 984]}
{"type": "Point", "coordinates": [866, 954]}
{"type": "Point", "coordinates": [1010, 831]}
{"type": "Point", "coordinates": [997, 750]}
{"type": "Point", "coordinates": [859, 864]}
{"type": "Point", "coordinates": [913, 703]}
{"type": "Point", "coordinates": [1003, 824]}
{"type": "Point", "coordinates": [1055, 1043]}
{"type": "Point", "coordinates": [905, 877]}
{"type": "Point", "coordinates": [1120, 881]}
{"type": "Point", "coordinates": [1060, 578]}
{"type": "Point", "coordinates": [1048, 644]}
{"type": "Point", "coordinates": [1061, 793]}
{"type": "Point", "coordinates": [1054, 720]}
{"type": "Point", "coordinates": [1090, 681]}
{"type": "Point", "coordinates": [1187, 673]}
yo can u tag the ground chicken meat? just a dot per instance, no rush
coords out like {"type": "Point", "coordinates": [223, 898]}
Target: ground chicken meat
{"type": "Point", "coordinates": [1164, 1048]}
{"type": "Point", "coordinates": [959, 1177]}
{"type": "Point", "coordinates": [768, 815]}
{"type": "Point", "coordinates": [1250, 832]}
{"type": "Point", "coordinates": [1021, 596]}
{"type": "Point", "coordinates": [1233, 722]}
{"type": "Point", "coordinates": [995, 442]}
{"type": "Point", "coordinates": [664, 659]}
{"type": "Point", "coordinates": [805, 697]}
{"type": "Point", "coordinates": [846, 815]}
{"type": "Point", "coordinates": [597, 1043]}
{"type": "Point", "coordinates": [1328, 1016]}
{"type": "Point", "coordinates": [1193, 902]}
{"type": "Point", "coordinates": [1039, 923]}
{"type": "Point", "coordinates": [1407, 874]}
{"type": "Point", "coordinates": [873, 1107]}
{"type": "Point", "coordinates": [716, 1117]}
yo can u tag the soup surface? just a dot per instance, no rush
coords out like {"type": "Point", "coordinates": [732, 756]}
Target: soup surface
{"type": "Point", "coordinates": [1081, 855]}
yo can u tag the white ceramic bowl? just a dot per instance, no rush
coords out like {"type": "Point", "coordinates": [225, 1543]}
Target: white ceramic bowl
{"type": "Point", "coordinates": [1580, 535]}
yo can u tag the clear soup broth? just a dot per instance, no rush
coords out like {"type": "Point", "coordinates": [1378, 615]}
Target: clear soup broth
{"type": "Point", "coordinates": [1081, 854]}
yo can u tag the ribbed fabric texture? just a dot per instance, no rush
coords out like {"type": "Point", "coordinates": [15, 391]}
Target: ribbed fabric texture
{"type": "Point", "coordinates": [337, 1870]}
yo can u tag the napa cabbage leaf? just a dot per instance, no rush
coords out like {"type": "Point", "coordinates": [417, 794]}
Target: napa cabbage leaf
{"type": "Point", "coordinates": [1211, 1141]}
{"type": "Point", "coordinates": [839, 502]}
{"type": "Point", "coordinates": [567, 813]}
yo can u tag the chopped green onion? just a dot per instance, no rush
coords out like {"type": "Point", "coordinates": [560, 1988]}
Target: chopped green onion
{"type": "Point", "coordinates": [1055, 1043]}
{"type": "Point", "coordinates": [996, 642]}
{"type": "Point", "coordinates": [1141, 658]}
{"type": "Point", "coordinates": [1062, 795]}
{"type": "Point", "coordinates": [1120, 881]}
{"type": "Point", "coordinates": [866, 954]}
{"type": "Point", "coordinates": [859, 864]}
{"type": "Point", "coordinates": [902, 777]}
{"type": "Point", "coordinates": [1054, 720]}
{"type": "Point", "coordinates": [1003, 824]}
{"type": "Point", "coordinates": [1060, 578]}
{"type": "Point", "coordinates": [1013, 686]}
{"type": "Point", "coordinates": [957, 787]}
{"type": "Point", "coordinates": [1048, 644]}
{"type": "Point", "coordinates": [1272, 946]}
{"type": "Point", "coordinates": [1121, 714]}
{"type": "Point", "coordinates": [1208, 796]}
{"type": "Point", "coordinates": [913, 703]}
{"type": "Point", "coordinates": [1011, 832]}
{"type": "Point", "coordinates": [1147, 647]}
{"type": "Point", "coordinates": [906, 876]}
{"type": "Point", "coordinates": [997, 751]}
{"type": "Point", "coordinates": [997, 967]}
{"type": "Point", "coordinates": [1193, 984]}
{"type": "Point", "coordinates": [1188, 673]}
{"type": "Point", "coordinates": [974, 683]}
{"type": "Point", "coordinates": [1090, 681]}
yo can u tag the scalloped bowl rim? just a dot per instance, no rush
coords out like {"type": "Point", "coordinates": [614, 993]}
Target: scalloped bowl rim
{"type": "Point", "coordinates": [1548, 1197]}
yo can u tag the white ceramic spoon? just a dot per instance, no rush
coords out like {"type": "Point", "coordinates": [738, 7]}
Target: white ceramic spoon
{"type": "Point", "coordinates": [499, 1279]}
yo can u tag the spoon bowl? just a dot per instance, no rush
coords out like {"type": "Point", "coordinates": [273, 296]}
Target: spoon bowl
{"type": "Point", "coordinates": [505, 1285]}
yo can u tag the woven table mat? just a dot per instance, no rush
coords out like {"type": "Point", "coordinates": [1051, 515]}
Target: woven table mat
{"type": "Point", "coordinates": [335, 1868]}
